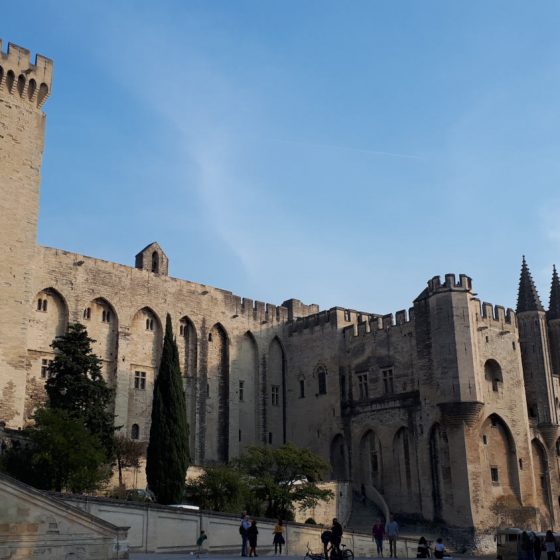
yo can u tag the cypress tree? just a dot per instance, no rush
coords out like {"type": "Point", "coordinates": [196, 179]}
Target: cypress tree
{"type": "Point", "coordinates": [168, 451]}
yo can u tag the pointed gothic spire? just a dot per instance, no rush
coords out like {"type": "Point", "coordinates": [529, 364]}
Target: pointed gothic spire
{"type": "Point", "coordinates": [527, 297]}
{"type": "Point", "coordinates": [554, 304]}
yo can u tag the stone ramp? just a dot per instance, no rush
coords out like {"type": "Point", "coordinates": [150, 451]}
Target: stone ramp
{"type": "Point", "coordinates": [36, 525]}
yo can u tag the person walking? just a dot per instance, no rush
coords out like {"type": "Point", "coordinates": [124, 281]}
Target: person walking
{"type": "Point", "coordinates": [550, 545]}
{"type": "Point", "coordinates": [243, 528]}
{"type": "Point", "coordinates": [392, 532]}
{"type": "Point", "coordinates": [336, 537]}
{"type": "Point", "coordinates": [537, 548]}
{"type": "Point", "coordinates": [199, 542]}
{"type": "Point", "coordinates": [252, 533]}
{"type": "Point", "coordinates": [278, 539]}
{"type": "Point", "coordinates": [326, 537]}
{"type": "Point", "coordinates": [378, 534]}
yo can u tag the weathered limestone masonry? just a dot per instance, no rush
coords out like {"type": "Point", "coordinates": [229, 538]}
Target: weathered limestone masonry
{"type": "Point", "coordinates": [436, 413]}
{"type": "Point", "coordinates": [24, 88]}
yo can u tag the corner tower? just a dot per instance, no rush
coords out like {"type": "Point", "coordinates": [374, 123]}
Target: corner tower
{"type": "Point", "coordinates": [24, 87]}
{"type": "Point", "coordinates": [537, 367]}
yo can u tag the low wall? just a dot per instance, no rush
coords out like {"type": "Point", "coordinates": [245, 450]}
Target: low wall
{"type": "Point", "coordinates": [155, 528]}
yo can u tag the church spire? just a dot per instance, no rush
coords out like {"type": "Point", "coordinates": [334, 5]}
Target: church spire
{"type": "Point", "coordinates": [527, 297]}
{"type": "Point", "coordinates": [554, 305]}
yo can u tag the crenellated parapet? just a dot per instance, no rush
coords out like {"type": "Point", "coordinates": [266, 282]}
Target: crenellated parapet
{"type": "Point", "coordinates": [497, 316]}
{"type": "Point", "coordinates": [450, 283]}
{"type": "Point", "coordinates": [23, 79]}
{"type": "Point", "coordinates": [375, 323]}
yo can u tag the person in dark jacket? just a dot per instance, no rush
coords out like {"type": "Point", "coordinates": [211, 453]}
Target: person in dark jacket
{"type": "Point", "coordinates": [423, 550]}
{"type": "Point", "coordinates": [252, 533]}
{"type": "Point", "coordinates": [326, 537]}
{"type": "Point", "coordinates": [336, 537]}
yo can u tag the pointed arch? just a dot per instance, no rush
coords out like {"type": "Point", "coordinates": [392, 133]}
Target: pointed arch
{"type": "Point", "coordinates": [401, 464]}
{"type": "Point", "coordinates": [218, 392]}
{"type": "Point", "coordinates": [371, 460]}
{"type": "Point", "coordinates": [187, 345]}
{"type": "Point", "coordinates": [101, 320]}
{"type": "Point", "coordinates": [187, 342]}
{"type": "Point", "coordinates": [48, 320]}
{"type": "Point", "coordinates": [144, 349]}
{"type": "Point", "coordinates": [247, 373]}
{"type": "Point", "coordinates": [275, 393]}
{"type": "Point", "coordinates": [339, 458]}
{"type": "Point", "coordinates": [440, 470]}
{"type": "Point", "coordinates": [498, 457]}
{"type": "Point", "coordinates": [542, 479]}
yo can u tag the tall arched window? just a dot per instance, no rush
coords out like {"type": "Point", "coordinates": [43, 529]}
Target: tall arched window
{"type": "Point", "coordinates": [135, 432]}
{"type": "Point", "coordinates": [155, 262]}
{"type": "Point", "coordinates": [493, 374]}
{"type": "Point", "coordinates": [321, 373]}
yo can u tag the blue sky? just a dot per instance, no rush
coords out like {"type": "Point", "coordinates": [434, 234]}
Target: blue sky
{"type": "Point", "coordinates": [341, 153]}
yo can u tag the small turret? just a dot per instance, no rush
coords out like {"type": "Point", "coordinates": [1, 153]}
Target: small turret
{"type": "Point", "coordinates": [527, 297]}
{"type": "Point", "coordinates": [554, 302]}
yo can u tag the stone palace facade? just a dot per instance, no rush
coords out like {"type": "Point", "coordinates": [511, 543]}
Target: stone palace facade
{"type": "Point", "coordinates": [438, 411]}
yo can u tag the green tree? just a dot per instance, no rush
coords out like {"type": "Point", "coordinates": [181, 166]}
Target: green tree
{"type": "Point", "coordinates": [285, 478]}
{"type": "Point", "coordinates": [76, 385]}
{"type": "Point", "coordinates": [168, 451]}
{"type": "Point", "coordinates": [219, 488]}
{"type": "Point", "coordinates": [61, 454]}
{"type": "Point", "coordinates": [127, 454]}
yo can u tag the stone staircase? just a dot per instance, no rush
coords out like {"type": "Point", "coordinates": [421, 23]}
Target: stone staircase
{"type": "Point", "coordinates": [364, 514]}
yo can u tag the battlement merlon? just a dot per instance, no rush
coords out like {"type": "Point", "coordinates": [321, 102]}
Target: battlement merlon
{"type": "Point", "coordinates": [32, 81]}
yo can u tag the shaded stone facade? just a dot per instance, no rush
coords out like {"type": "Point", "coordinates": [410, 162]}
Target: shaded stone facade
{"type": "Point", "coordinates": [437, 411]}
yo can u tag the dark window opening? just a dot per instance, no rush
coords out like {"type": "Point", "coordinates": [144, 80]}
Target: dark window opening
{"type": "Point", "coordinates": [45, 368]}
{"type": "Point", "coordinates": [484, 439]}
{"type": "Point", "coordinates": [270, 437]}
{"type": "Point", "coordinates": [275, 395]}
{"type": "Point", "coordinates": [140, 380]}
{"type": "Point", "coordinates": [155, 262]}
{"type": "Point", "coordinates": [322, 380]}
{"type": "Point", "coordinates": [241, 391]}
{"type": "Point", "coordinates": [106, 317]}
{"type": "Point", "coordinates": [520, 464]}
{"type": "Point", "coordinates": [149, 324]}
{"type": "Point", "coordinates": [239, 435]}
{"type": "Point", "coordinates": [135, 431]}
{"type": "Point", "coordinates": [301, 389]}
{"type": "Point", "coordinates": [388, 387]}
{"type": "Point", "coordinates": [87, 313]}
{"type": "Point", "coordinates": [494, 475]}
{"type": "Point", "coordinates": [363, 386]}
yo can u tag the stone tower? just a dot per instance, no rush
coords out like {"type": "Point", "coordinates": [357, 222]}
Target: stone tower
{"type": "Point", "coordinates": [24, 87]}
{"type": "Point", "coordinates": [537, 366]}
{"type": "Point", "coordinates": [553, 316]}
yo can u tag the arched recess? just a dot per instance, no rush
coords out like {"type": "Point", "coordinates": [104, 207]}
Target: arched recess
{"type": "Point", "coordinates": [442, 495]}
{"type": "Point", "coordinates": [500, 475]}
{"type": "Point", "coordinates": [402, 476]}
{"type": "Point", "coordinates": [187, 345]}
{"type": "Point", "coordinates": [275, 432]}
{"type": "Point", "coordinates": [542, 481]}
{"type": "Point", "coordinates": [371, 460]}
{"type": "Point", "coordinates": [247, 370]}
{"type": "Point", "coordinates": [144, 349]}
{"type": "Point", "coordinates": [217, 402]}
{"type": "Point", "coordinates": [48, 319]}
{"type": "Point", "coordinates": [493, 375]}
{"type": "Point", "coordinates": [101, 321]}
{"type": "Point", "coordinates": [339, 458]}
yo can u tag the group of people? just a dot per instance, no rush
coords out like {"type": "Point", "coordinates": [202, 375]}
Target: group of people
{"type": "Point", "coordinates": [390, 530]}
{"type": "Point", "coordinates": [249, 532]}
{"type": "Point", "coordinates": [531, 547]}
